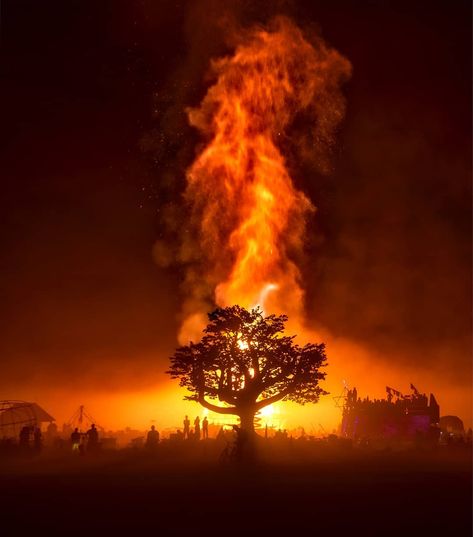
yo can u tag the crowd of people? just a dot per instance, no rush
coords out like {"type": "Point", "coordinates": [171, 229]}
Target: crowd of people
{"type": "Point", "coordinates": [89, 441]}
{"type": "Point", "coordinates": [197, 432]}
{"type": "Point", "coordinates": [30, 439]}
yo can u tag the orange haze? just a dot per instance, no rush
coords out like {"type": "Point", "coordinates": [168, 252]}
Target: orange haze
{"type": "Point", "coordinates": [275, 100]}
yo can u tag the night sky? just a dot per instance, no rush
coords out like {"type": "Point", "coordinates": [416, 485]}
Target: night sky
{"type": "Point", "coordinates": [94, 147]}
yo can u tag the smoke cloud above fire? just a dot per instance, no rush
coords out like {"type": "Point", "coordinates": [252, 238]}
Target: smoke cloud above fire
{"type": "Point", "coordinates": [247, 218]}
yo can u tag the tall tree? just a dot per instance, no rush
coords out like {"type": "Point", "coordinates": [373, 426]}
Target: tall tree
{"type": "Point", "coordinates": [244, 362]}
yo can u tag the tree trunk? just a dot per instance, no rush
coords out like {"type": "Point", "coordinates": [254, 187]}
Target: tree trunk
{"type": "Point", "coordinates": [246, 436]}
{"type": "Point", "coordinates": [247, 421]}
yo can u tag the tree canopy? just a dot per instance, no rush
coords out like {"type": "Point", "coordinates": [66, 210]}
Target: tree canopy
{"type": "Point", "coordinates": [244, 362]}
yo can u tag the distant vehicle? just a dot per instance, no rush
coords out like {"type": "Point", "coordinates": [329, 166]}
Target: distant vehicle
{"type": "Point", "coordinates": [396, 417]}
{"type": "Point", "coordinates": [452, 425]}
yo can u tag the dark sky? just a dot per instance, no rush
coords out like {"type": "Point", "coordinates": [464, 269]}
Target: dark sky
{"type": "Point", "coordinates": [93, 151]}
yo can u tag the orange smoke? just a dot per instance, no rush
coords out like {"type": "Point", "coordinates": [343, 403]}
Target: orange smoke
{"type": "Point", "coordinates": [248, 218]}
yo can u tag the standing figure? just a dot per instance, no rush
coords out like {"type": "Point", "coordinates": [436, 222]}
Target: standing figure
{"type": "Point", "coordinates": [92, 439]}
{"type": "Point", "coordinates": [152, 439]}
{"type": "Point", "coordinates": [197, 428]}
{"type": "Point", "coordinates": [187, 425]}
{"type": "Point", "coordinates": [75, 439]}
{"type": "Point", "coordinates": [205, 428]}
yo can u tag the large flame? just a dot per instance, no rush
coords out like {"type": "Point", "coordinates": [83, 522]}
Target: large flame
{"type": "Point", "coordinates": [248, 218]}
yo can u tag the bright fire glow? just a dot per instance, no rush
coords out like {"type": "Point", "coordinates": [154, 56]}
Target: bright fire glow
{"type": "Point", "coordinates": [267, 411]}
{"type": "Point", "coordinates": [242, 344]}
{"type": "Point", "coordinates": [264, 295]}
{"type": "Point", "coordinates": [248, 217]}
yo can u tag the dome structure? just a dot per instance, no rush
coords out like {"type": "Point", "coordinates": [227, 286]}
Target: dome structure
{"type": "Point", "coordinates": [15, 414]}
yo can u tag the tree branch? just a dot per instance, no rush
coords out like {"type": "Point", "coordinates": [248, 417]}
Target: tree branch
{"type": "Point", "coordinates": [270, 400]}
{"type": "Point", "coordinates": [216, 408]}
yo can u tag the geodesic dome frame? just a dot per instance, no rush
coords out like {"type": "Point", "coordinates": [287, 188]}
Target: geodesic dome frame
{"type": "Point", "coordinates": [16, 414]}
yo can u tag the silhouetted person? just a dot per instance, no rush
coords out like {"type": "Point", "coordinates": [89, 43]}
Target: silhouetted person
{"type": "Point", "coordinates": [37, 439]}
{"type": "Point", "coordinates": [75, 439]}
{"type": "Point", "coordinates": [92, 438]}
{"type": "Point", "coordinates": [197, 428]}
{"type": "Point", "coordinates": [187, 425]}
{"type": "Point", "coordinates": [152, 439]}
{"type": "Point", "coordinates": [205, 428]}
{"type": "Point", "coordinates": [25, 438]}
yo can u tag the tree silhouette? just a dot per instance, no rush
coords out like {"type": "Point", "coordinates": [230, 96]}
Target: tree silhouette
{"type": "Point", "coordinates": [245, 362]}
